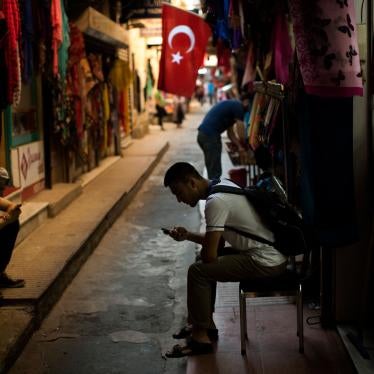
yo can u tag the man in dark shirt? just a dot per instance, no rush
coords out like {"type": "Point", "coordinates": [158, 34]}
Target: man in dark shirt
{"type": "Point", "coordinates": [220, 118]}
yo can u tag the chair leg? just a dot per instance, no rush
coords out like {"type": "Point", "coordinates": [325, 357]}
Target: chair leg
{"type": "Point", "coordinates": [245, 317]}
{"type": "Point", "coordinates": [243, 323]}
{"type": "Point", "coordinates": [300, 318]}
{"type": "Point", "coordinates": [298, 312]}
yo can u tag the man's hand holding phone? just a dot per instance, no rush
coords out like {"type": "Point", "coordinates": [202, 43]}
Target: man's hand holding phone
{"type": "Point", "coordinates": [14, 211]}
{"type": "Point", "coordinates": [177, 233]}
{"type": "Point", "coordinates": [165, 230]}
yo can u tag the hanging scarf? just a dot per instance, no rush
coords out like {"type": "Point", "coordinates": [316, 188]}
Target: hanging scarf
{"type": "Point", "coordinates": [282, 49]}
{"type": "Point", "coordinates": [56, 21]}
{"type": "Point", "coordinates": [327, 48]}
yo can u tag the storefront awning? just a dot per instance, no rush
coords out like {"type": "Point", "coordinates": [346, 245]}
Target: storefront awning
{"type": "Point", "coordinates": [93, 23]}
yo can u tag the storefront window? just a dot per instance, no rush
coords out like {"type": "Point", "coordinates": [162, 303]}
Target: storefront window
{"type": "Point", "coordinates": [22, 121]}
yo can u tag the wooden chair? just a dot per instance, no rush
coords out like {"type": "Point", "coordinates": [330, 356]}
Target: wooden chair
{"type": "Point", "coordinates": [288, 284]}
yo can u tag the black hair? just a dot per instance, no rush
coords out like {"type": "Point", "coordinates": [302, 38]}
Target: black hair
{"type": "Point", "coordinates": [179, 172]}
{"type": "Point", "coordinates": [263, 157]}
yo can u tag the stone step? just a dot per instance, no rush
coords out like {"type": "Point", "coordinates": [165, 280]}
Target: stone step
{"type": "Point", "coordinates": [49, 203]}
{"type": "Point", "coordinates": [58, 198]}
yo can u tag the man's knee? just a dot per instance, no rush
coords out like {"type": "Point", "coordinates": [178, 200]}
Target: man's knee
{"type": "Point", "coordinates": [194, 271]}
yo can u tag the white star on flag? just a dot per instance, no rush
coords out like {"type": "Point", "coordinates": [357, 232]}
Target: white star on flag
{"type": "Point", "coordinates": [176, 57]}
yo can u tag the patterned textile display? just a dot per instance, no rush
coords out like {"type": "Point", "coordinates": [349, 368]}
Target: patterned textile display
{"type": "Point", "coordinates": [63, 54]}
{"type": "Point", "coordinates": [12, 55]}
{"type": "Point", "coordinates": [326, 46]}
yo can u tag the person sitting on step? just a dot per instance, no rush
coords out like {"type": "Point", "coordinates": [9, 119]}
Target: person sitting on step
{"type": "Point", "coordinates": [9, 228]}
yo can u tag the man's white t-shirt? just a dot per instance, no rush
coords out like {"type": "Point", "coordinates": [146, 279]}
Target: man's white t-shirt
{"type": "Point", "coordinates": [225, 209]}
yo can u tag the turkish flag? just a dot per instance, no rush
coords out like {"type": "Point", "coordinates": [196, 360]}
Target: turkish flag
{"type": "Point", "coordinates": [184, 39]}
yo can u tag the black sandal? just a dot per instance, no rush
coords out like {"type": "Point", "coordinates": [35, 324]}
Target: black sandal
{"type": "Point", "coordinates": [186, 331]}
{"type": "Point", "coordinates": [192, 348]}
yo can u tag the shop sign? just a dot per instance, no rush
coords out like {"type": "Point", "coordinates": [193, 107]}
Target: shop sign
{"type": "Point", "coordinates": [28, 164]}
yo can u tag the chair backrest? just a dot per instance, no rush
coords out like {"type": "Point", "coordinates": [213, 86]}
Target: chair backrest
{"type": "Point", "coordinates": [305, 265]}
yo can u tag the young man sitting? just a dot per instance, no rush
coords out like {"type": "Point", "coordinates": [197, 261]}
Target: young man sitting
{"type": "Point", "coordinates": [244, 259]}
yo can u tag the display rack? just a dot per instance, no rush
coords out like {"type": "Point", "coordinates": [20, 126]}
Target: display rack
{"type": "Point", "coordinates": [277, 91]}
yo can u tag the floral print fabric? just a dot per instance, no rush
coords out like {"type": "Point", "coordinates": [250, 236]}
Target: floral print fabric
{"type": "Point", "coordinates": [326, 46]}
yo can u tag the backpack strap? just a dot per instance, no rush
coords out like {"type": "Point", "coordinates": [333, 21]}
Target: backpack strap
{"type": "Point", "coordinates": [238, 191]}
{"type": "Point", "coordinates": [227, 189]}
{"type": "Point", "coordinates": [249, 235]}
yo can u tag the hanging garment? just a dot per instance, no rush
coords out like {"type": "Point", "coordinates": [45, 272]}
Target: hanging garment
{"type": "Point", "coordinates": [120, 74]}
{"type": "Point", "coordinates": [65, 43]}
{"type": "Point", "coordinates": [27, 41]}
{"type": "Point", "coordinates": [57, 34]}
{"type": "Point", "coordinates": [77, 50]}
{"type": "Point", "coordinates": [326, 46]}
{"type": "Point", "coordinates": [96, 66]}
{"type": "Point", "coordinates": [282, 49]}
{"type": "Point", "coordinates": [78, 73]}
{"type": "Point", "coordinates": [250, 70]}
{"type": "Point", "coordinates": [41, 12]}
{"type": "Point", "coordinates": [223, 56]}
{"type": "Point", "coordinates": [12, 55]}
{"type": "Point", "coordinates": [106, 114]}
{"type": "Point", "coordinates": [222, 31]}
{"type": "Point", "coordinates": [234, 22]}
{"type": "Point", "coordinates": [3, 67]}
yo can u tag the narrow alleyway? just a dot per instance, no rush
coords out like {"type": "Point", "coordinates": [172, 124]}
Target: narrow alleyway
{"type": "Point", "coordinates": [120, 311]}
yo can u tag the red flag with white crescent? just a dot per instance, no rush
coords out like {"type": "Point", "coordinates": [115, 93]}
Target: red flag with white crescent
{"type": "Point", "coordinates": [184, 39]}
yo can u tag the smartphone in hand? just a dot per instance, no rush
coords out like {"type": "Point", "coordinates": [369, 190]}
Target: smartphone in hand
{"type": "Point", "coordinates": [165, 230]}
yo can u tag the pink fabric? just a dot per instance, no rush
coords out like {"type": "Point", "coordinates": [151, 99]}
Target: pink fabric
{"type": "Point", "coordinates": [327, 48]}
{"type": "Point", "coordinates": [282, 49]}
{"type": "Point", "coordinates": [56, 22]}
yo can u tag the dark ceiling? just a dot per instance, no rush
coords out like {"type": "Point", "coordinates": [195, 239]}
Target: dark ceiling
{"type": "Point", "coordinates": [135, 9]}
{"type": "Point", "coordinates": [129, 9]}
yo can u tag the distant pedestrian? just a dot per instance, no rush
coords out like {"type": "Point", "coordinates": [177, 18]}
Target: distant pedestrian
{"type": "Point", "coordinates": [160, 108]}
{"type": "Point", "coordinates": [199, 94]}
{"type": "Point", "coordinates": [178, 114]}
{"type": "Point", "coordinates": [211, 90]}
{"type": "Point", "coordinates": [9, 228]}
{"type": "Point", "coordinates": [220, 118]}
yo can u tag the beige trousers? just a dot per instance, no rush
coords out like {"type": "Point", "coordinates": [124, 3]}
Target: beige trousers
{"type": "Point", "coordinates": [202, 278]}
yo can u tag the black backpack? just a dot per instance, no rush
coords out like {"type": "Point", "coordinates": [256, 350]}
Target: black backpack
{"type": "Point", "coordinates": [292, 235]}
